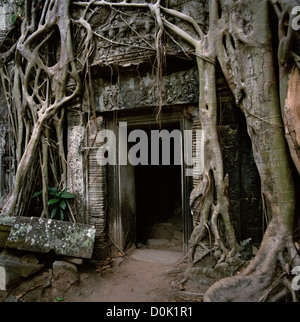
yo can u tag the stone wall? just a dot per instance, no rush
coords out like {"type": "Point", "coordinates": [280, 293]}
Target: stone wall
{"type": "Point", "coordinates": [133, 33]}
{"type": "Point", "coordinates": [132, 94]}
{"type": "Point", "coordinates": [244, 183]}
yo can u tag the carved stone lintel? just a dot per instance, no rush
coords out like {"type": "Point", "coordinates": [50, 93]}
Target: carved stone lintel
{"type": "Point", "coordinates": [178, 88]}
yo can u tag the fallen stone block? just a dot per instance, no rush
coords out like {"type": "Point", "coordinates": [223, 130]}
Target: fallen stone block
{"type": "Point", "coordinates": [13, 268]}
{"type": "Point", "coordinates": [74, 260]}
{"type": "Point", "coordinates": [43, 235]}
{"type": "Point", "coordinates": [65, 275]}
{"type": "Point", "coordinates": [35, 288]}
{"type": "Point", "coordinates": [4, 233]}
{"type": "Point", "coordinates": [5, 226]}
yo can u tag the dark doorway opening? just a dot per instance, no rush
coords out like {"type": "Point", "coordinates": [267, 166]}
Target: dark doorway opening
{"type": "Point", "coordinates": [159, 194]}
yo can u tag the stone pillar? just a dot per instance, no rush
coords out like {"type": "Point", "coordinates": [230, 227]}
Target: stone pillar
{"type": "Point", "coordinates": [76, 163]}
{"type": "Point", "coordinates": [97, 184]}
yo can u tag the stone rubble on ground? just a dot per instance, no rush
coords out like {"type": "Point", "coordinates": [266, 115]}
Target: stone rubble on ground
{"type": "Point", "coordinates": [24, 278]}
{"type": "Point", "coordinates": [14, 267]}
{"type": "Point", "coordinates": [65, 275]}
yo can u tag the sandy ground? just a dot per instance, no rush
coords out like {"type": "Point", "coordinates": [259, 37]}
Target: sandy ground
{"type": "Point", "coordinates": [133, 280]}
{"type": "Point", "coordinates": [147, 274]}
{"type": "Point", "coordinates": [140, 277]}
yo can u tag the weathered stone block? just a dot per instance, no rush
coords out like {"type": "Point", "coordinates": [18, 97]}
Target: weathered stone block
{"type": "Point", "coordinates": [73, 260]}
{"type": "Point", "coordinates": [4, 233]}
{"type": "Point", "coordinates": [13, 267]}
{"type": "Point", "coordinates": [5, 226]}
{"type": "Point", "coordinates": [65, 275]}
{"type": "Point", "coordinates": [7, 221]}
{"type": "Point", "coordinates": [43, 235]}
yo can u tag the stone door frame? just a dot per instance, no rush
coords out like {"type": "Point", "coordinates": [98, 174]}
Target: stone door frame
{"type": "Point", "coordinates": [114, 219]}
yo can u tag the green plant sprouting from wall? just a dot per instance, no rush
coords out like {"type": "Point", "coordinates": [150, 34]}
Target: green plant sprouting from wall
{"type": "Point", "coordinates": [58, 202]}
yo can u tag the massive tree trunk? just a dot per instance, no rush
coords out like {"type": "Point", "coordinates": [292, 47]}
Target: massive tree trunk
{"type": "Point", "coordinates": [247, 60]}
{"type": "Point", "coordinates": [292, 116]}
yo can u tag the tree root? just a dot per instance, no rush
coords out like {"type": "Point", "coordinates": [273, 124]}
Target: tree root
{"type": "Point", "coordinates": [260, 280]}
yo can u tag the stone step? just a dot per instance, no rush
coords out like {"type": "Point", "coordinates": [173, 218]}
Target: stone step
{"type": "Point", "coordinates": [14, 267]}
